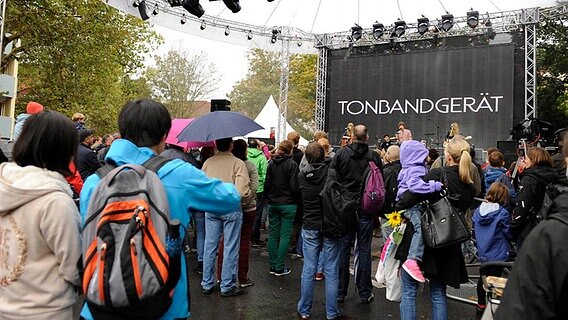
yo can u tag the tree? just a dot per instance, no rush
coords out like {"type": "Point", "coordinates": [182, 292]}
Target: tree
{"type": "Point", "coordinates": [552, 71]}
{"type": "Point", "coordinates": [77, 56]}
{"type": "Point", "coordinates": [180, 78]}
{"type": "Point", "coordinates": [263, 80]}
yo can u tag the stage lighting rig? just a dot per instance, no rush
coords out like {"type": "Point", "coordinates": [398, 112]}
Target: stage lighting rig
{"type": "Point", "coordinates": [203, 25]}
{"type": "Point", "coordinates": [447, 21]}
{"type": "Point", "coordinates": [399, 28]}
{"type": "Point", "coordinates": [274, 38]}
{"type": "Point", "coordinates": [232, 5]}
{"type": "Point", "coordinates": [378, 30]}
{"type": "Point", "coordinates": [472, 18]}
{"type": "Point", "coordinates": [356, 32]}
{"type": "Point", "coordinates": [141, 5]}
{"type": "Point", "coordinates": [227, 31]}
{"type": "Point", "coordinates": [156, 10]}
{"type": "Point", "coordinates": [249, 35]}
{"type": "Point", "coordinates": [174, 3]}
{"type": "Point", "coordinates": [183, 19]}
{"type": "Point", "coordinates": [423, 25]}
{"type": "Point", "coordinates": [193, 7]}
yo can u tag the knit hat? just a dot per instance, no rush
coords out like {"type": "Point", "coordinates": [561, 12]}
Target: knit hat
{"type": "Point", "coordinates": [34, 107]}
{"type": "Point", "coordinates": [84, 133]}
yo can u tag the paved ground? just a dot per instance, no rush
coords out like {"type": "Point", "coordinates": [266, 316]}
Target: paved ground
{"type": "Point", "coordinates": [276, 298]}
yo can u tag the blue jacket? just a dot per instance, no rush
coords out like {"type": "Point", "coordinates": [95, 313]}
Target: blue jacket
{"type": "Point", "coordinates": [413, 159]}
{"type": "Point", "coordinates": [188, 189]}
{"type": "Point", "coordinates": [491, 223]}
{"type": "Point", "coordinates": [492, 174]}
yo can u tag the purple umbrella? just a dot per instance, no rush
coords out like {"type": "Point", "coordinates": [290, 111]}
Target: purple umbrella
{"type": "Point", "coordinates": [218, 125]}
{"type": "Point", "coordinates": [177, 127]}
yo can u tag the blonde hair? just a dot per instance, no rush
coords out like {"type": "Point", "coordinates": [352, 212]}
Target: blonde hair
{"type": "Point", "coordinates": [325, 144]}
{"type": "Point", "coordinates": [454, 129]}
{"type": "Point", "coordinates": [77, 116]}
{"type": "Point", "coordinates": [294, 137]}
{"type": "Point", "coordinates": [458, 149]}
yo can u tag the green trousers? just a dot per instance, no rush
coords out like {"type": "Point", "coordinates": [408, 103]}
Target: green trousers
{"type": "Point", "coordinates": [280, 221]}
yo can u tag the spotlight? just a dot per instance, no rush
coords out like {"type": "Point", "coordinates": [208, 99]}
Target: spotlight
{"type": "Point", "coordinates": [472, 18]}
{"type": "Point", "coordinates": [378, 30]}
{"type": "Point", "coordinates": [227, 30]}
{"type": "Point", "coordinates": [399, 28]}
{"type": "Point", "coordinates": [423, 24]}
{"type": "Point", "coordinates": [488, 22]}
{"type": "Point", "coordinates": [174, 3]}
{"type": "Point", "coordinates": [249, 35]}
{"type": "Point", "coordinates": [183, 19]}
{"type": "Point", "coordinates": [193, 7]}
{"type": "Point", "coordinates": [232, 5]}
{"type": "Point", "coordinates": [203, 25]}
{"type": "Point", "coordinates": [447, 22]}
{"type": "Point", "coordinates": [135, 4]}
{"type": "Point", "coordinates": [142, 10]}
{"type": "Point", "coordinates": [274, 38]}
{"type": "Point", "coordinates": [156, 10]}
{"type": "Point", "coordinates": [356, 32]}
{"type": "Point", "coordinates": [299, 43]}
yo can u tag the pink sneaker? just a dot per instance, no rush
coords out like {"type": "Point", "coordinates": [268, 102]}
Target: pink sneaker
{"type": "Point", "coordinates": [411, 266]}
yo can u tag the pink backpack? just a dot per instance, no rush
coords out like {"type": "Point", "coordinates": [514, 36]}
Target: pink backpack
{"type": "Point", "coordinates": [373, 195]}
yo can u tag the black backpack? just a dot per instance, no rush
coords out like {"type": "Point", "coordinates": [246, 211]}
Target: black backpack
{"type": "Point", "coordinates": [551, 191]}
{"type": "Point", "coordinates": [339, 208]}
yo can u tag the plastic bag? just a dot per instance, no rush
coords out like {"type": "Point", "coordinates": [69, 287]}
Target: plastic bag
{"type": "Point", "coordinates": [388, 275]}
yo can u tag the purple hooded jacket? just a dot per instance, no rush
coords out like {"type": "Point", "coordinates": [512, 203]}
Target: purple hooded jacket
{"type": "Point", "coordinates": [412, 157]}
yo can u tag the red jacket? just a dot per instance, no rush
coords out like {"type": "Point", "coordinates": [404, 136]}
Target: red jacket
{"type": "Point", "coordinates": [75, 180]}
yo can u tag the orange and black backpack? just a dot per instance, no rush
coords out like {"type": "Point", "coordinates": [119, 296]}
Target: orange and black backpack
{"type": "Point", "coordinates": [127, 271]}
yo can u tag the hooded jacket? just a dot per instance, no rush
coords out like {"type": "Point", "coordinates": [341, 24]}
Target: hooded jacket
{"type": "Point", "coordinates": [493, 174]}
{"type": "Point", "coordinates": [412, 157]}
{"type": "Point", "coordinates": [281, 186]}
{"type": "Point", "coordinates": [40, 244]}
{"type": "Point", "coordinates": [312, 179]}
{"type": "Point", "coordinates": [538, 285]}
{"type": "Point", "coordinates": [349, 164]}
{"type": "Point", "coordinates": [390, 173]}
{"type": "Point", "coordinates": [491, 223]}
{"type": "Point", "coordinates": [530, 198]}
{"type": "Point", "coordinates": [259, 159]}
{"type": "Point", "coordinates": [20, 119]}
{"type": "Point", "coordinates": [187, 188]}
{"type": "Point", "coordinates": [87, 162]}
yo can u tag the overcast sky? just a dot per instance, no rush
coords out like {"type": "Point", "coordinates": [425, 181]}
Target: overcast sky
{"type": "Point", "coordinates": [333, 16]}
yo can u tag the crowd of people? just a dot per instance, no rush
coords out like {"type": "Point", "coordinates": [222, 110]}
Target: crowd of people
{"type": "Point", "coordinates": [230, 192]}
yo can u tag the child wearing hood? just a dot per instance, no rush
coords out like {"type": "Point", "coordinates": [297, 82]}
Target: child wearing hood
{"type": "Point", "coordinates": [491, 224]}
{"type": "Point", "coordinates": [32, 108]}
{"type": "Point", "coordinates": [413, 156]}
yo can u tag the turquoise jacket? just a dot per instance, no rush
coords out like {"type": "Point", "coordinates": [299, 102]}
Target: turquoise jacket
{"type": "Point", "coordinates": [188, 189]}
{"type": "Point", "coordinates": [257, 157]}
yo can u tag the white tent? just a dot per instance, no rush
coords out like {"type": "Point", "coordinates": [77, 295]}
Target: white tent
{"type": "Point", "coordinates": [268, 118]}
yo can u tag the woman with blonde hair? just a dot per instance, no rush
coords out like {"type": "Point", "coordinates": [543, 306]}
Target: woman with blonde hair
{"type": "Point", "coordinates": [442, 266]}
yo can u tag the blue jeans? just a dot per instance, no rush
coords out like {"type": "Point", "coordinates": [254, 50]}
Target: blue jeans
{"type": "Point", "coordinates": [200, 230]}
{"type": "Point", "coordinates": [408, 300]}
{"type": "Point", "coordinates": [314, 246]}
{"type": "Point", "coordinates": [363, 237]}
{"type": "Point", "coordinates": [416, 250]}
{"type": "Point", "coordinates": [321, 260]}
{"type": "Point", "coordinates": [230, 226]}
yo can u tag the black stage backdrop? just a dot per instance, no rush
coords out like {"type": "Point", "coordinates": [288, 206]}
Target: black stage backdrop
{"type": "Point", "coordinates": [428, 90]}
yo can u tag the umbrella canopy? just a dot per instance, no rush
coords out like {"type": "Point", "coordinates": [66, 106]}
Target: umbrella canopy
{"type": "Point", "coordinates": [218, 125]}
{"type": "Point", "coordinates": [177, 127]}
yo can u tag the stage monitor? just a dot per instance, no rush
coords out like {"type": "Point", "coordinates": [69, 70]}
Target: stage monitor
{"type": "Point", "coordinates": [426, 89]}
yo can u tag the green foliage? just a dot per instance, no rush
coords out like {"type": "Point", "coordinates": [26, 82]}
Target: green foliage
{"type": "Point", "coordinates": [78, 56]}
{"type": "Point", "coordinates": [263, 80]}
{"type": "Point", "coordinates": [179, 79]}
{"type": "Point", "coordinates": [552, 71]}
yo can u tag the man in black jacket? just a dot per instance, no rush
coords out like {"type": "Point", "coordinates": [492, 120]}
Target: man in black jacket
{"type": "Point", "coordinates": [390, 173]}
{"type": "Point", "coordinates": [87, 162]}
{"type": "Point", "coordinates": [348, 167]}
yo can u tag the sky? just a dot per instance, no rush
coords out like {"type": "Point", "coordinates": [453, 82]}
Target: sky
{"type": "Point", "coordinates": [332, 16]}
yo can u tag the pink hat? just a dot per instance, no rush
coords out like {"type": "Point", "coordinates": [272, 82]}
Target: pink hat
{"type": "Point", "coordinates": [34, 107]}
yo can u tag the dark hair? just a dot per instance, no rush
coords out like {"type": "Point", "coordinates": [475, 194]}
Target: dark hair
{"type": "Point", "coordinates": [433, 154]}
{"type": "Point", "coordinates": [491, 150]}
{"type": "Point", "coordinates": [223, 144]}
{"type": "Point", "coordinates": [240, 149]}
{"type": "Point", "coordinates": [498, 193]}
{"type": "Point", "coordinates": [315, 152]}
{"type": "Point", "coordinates": [565, 149]}
{"type": "Point", "coordinates": [285, 147]}
{"type": "Point", "coordinates": [496, 159]}
{"type": "Point", "coordinates": [294, 137]}
{"type": "Point", "coordinates": [253, 144]}
{"type": "Point", "coordinates": [106, 137]}
{"type": "Point", "coordinates": [144, 122]}
{"type": "Point", "coordinates": [48, 140]}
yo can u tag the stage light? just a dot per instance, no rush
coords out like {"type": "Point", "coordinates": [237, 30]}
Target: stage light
{"type": "Point", "coordinates": [274, 38]}
{"type": "Point", "coordinates": [135, 4]}
{"type": "Point", "coordinates": [488, 23]}
{"type": "Point", "coordinates": [447, 22]}
{"type": "Point", "coordinates": [156, 10]}
{"type": "Point", "coordinates": [232, 5]}
{"type": "Point", "coordinates": [193, 7]}
{"type": "Point", "coordinates": [378, 30]}
{"type": "Point", "coordinates": [299, 43]}
{"type": "Point", "coordinates": [203, 25]}
{"type": "Point", "coordinates": [423, 25]}
{"type": "Point", "coordinates": [356, 32]}
{"type": "Point", "coordinates": [399, 28]}
{"type": "Point", "coordinates": [142, 10]}
{"type": "Point", "coordinates": [183, 19]}
{"type": "Point", "coordinates": [472, 18]}
{"type": "Point", "coordinates": [174, 3]}
{"type": "Point", "coordinates": [249, 35]}
{"type": "Point", "coordinates": [227, 30]}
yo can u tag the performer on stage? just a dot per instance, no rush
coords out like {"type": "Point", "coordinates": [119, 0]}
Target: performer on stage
{"type": "Point", "coordinates": [403, 134]}
{"type": "Point", "coordinates": [386, 143]}
{"type": "Point", "coordinates": [454, 131]}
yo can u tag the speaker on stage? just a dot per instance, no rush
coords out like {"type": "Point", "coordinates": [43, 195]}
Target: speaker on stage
{"type": "Point", "coordinates": [509, 151]}
{"type": "Point", "coordinates": [220, 105]}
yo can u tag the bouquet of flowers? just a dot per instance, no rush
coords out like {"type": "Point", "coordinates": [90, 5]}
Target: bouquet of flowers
{"type": "Point", "coordinates": [394, 220]}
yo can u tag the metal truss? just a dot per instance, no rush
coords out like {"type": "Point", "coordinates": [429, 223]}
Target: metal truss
{"type": "Point", "coordinates": [284, 80]}
{"type": "Point", "coordinates": [530, 20]}
{"type": "Point", "coordinates": [321, 85]}
{"type": "Point", "coordinates": [2, 15]}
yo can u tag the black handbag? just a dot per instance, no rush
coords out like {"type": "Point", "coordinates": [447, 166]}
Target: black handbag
{"type": "Point", "coordinates": [442, 223]}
